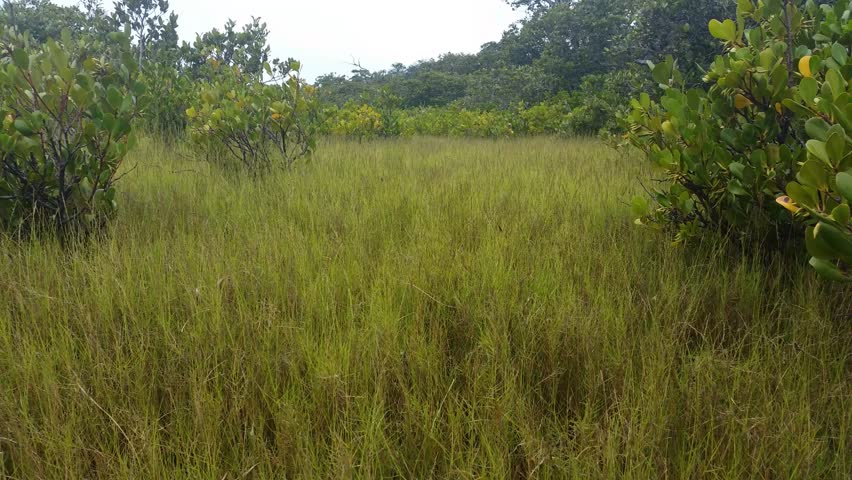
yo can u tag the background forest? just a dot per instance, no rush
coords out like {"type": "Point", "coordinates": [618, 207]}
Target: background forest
{"type": "Point", "coordinates": [568, 67]}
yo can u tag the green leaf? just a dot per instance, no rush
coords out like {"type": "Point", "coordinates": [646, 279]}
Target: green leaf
{"type": "Point", "coordinates": [816, 247]}
{"type": "Point", "coordinates": [818, 150]}
{"type": "Point", "coordinates": [639, 207]}
{"type": "Point", "coordinates": [844, 185]}
{"type": "Point", "coordinates": [813, 174]}
{"type": "Point", "coordinates": [735, 187]}
{"type": "Point", "coordinates": [664, 159]}
{"type": "Point", "coordinates": [21, 59]}
{"type": "Point", "coordinates": [840, 214]}
{"type": "Point", "coordinates": [828, 270]}
{"type": "Point", "coordinates": [837, 241]}
{"type": "Point", "coordinates": [744, 7]}
{"type": "Point", "coordinates": [843, 116]}
{"type": "Point", "coordinates": [839, 53]}
{"type": "Point", "coordinates": [738, 170]}
{"type": "Point", "coordinates": [817, 129]}
{"type": "Point", "coordinates": [662, 73]}
{"type": "Point", "coordinates": [23, 127]}
{"type": "Point", "coordinates": [767, 58]}
{"type": "Point", "coordinates": [726, 30]}
{"type": "Point", "coordinates": [731, 137]}
{"type": "Point", "coordinates": [802, 195]}
{"type": "Point", "coordinates": [797, 108]}
{"type": "Point", "coordinates": [114, 97]}
{"type": "Point", "coordinates": [121, 127]}
{"type": "Point", "coordinates": [80, 96]}
{"type": "Point", "coordinates": [108, 121]}
{"type": "Point", "coordinates": [139, 88]}
{"type": "Point", "coordinates": [808, 89]}
{"type": "Point", "coordinates": [835, 145]}
{"type": "Point", "coordinates": [835, 80]}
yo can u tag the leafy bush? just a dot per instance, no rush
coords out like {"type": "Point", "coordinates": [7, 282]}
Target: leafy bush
{"type": "Point", "coordinates": [822, 193]}
{"type": "Point", "coordinates": [456, 122]}
{"type": "Point", "coordinates": [258, 124]}
{"type": "Point", "coordinates": [589, 110]}
{"type": "Point", "coordinates": [357, 121]}
{"type": "Point", "coordinates": [730, 150]}
{"type": "Point", "coordinates": [66, 129]}
{"type": "Point", "coordinates": [599, 100]}
{"type": "Point", "coordinates": [170, 92]}
{"type": "Point", "coordinates": [545, 118]}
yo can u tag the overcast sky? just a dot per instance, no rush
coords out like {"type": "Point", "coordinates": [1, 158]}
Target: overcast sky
{"type": "Point", "coordinates": [326, 35]}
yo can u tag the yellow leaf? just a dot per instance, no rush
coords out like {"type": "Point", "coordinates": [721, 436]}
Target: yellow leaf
{"type": "Point", "coordinates": [787, 203]}
{"type": "Point", "coordinates": [805, 66]}
{"type": "Point", "coordinates": [741, 102]}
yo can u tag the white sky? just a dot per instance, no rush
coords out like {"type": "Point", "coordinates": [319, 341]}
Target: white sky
{"type": "Point", "coordinates": [326, 35]}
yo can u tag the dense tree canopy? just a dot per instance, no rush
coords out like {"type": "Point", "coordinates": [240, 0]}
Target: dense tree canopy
{"type": "Point", "coordinates": [555, 48]}
{"type": "Point", "coordinates": [41, 18]}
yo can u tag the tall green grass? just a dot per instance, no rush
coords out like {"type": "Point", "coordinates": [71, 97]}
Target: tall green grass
{"type": "Point", "coordinates": [414, 309]}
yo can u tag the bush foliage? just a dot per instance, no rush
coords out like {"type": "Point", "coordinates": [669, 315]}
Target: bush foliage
{"type": "Point", "coordinates": [356, 121]}
{"type": "Point", "coordinates": [590, 111]}
{"type": "Point", "coordinates": [67, 115]}
{"type": "Point", "coordinates": [257, 123]}
{"type": "Point", "coordinates": [774, 123]}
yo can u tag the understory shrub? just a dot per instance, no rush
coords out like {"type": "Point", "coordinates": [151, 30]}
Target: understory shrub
{"type": "Point", "coordinates": [768, 137]}
{"type": "Point", "coordinates": [67, 125]}
{"type": "Point", "coordinates": [356, 121]}
{"type": "Point", "coordinates": [258, 124]}
{"type": "Point", "coordinates": [171, 91]}
{"type": "Point", "coordinates": [455, 121]}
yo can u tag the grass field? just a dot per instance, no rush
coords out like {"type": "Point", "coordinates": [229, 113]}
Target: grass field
{"type": "Point", "coordinates": [414, 309]}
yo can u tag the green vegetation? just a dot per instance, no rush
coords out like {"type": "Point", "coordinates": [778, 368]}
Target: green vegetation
{"type": "Point", "coordinates": [356, 121]}
{"type": "Point", "coordinates": [417, 273]}
{"type": "Point", "coordinates": [66, 129]}
{"type": "Point", "coordinates": [254, 122]}
{"type": "Point", "coordinates": [728, 152]}
{"type": "Point", "coordinates": [419, 308]}
{"type": "Point", "coordinates": [587, 51]}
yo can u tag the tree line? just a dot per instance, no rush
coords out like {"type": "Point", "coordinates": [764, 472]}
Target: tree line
{"type": "Point", "coordinates": [594, 49]}
{"type": "Point", "coordinates": [572, 61]}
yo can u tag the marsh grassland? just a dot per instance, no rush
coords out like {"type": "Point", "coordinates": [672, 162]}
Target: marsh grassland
{"type": "Point", "coordinates": [422, 308]}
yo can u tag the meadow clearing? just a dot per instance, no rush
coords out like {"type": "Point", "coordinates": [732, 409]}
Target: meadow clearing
{"type": "Point", "coordinates": [414, 308]}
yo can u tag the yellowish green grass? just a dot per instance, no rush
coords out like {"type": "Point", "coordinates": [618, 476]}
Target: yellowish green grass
{"type": "Point", "coordinates": [414, 309]}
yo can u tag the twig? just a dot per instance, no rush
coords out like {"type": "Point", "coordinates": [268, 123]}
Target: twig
{"type": "Point", "coordinates": [121, 430]}
{"type": "Point", "coordinates": [424, 292]}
